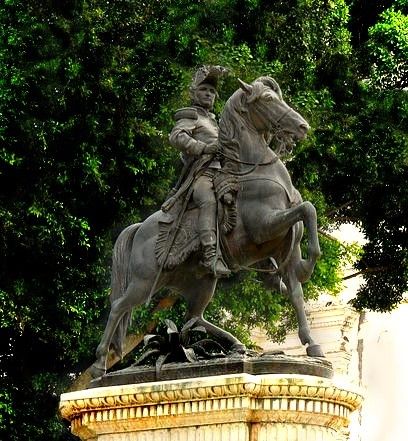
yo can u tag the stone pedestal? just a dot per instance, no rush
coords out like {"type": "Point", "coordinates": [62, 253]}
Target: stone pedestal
{"type": "Point", "coordinates": [234, 407]}
{"type": "Point", "coordinates": [334, 326]}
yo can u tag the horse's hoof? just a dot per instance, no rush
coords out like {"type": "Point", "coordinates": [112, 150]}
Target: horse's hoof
{"type": "Point", "coordinates": [304, 270]}
{"type": "Point", "coordinates": [96, 371]}
{"type": "Point", "coordinates": [237, 348]}
{"type": "Point", "coordinates": [314, 351]}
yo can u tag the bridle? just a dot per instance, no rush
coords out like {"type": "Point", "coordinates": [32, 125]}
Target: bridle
{"type": "Point", "coordinates": [276, 269]}
{"type": "Point", "coordinates": [254, 165]}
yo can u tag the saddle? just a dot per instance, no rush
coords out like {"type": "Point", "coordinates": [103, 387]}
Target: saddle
{"type": "Point", "coordinates": [178, 233]}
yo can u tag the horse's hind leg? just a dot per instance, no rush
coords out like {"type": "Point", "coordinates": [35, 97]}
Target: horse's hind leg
{"type": "Point", "coordinates": [197, 297]}
{"type": "Point", "coordinates": [135, 294]}
{"type": "Point", "coordinates": [295, 294]}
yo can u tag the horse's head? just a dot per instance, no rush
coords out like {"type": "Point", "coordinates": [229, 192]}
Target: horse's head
{"type": "Point", "coordinates": [267, 112]}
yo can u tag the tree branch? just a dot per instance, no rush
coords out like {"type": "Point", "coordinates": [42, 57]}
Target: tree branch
{"type": "Point", "coordinates": [329, 236]}
{"type": "Point", "coordinates": [366, 271]}
{"type": "Point", "coordinates": [335, 210]}
{"type": "Point", "coordinates": [346, 219]}
{"type": "Point", "coordinates": [131, 341]}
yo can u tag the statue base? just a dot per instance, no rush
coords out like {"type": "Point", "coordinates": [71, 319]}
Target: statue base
{"type": "Point", "coordinates": [241, 364]}
{"type": "Point", "coordinates": [231, 407]}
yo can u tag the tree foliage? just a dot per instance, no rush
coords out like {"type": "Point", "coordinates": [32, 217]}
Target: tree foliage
{"type": "Point", "coordinates": [388, 48]}
{"type": "Point", "coordinates": [87, 92]}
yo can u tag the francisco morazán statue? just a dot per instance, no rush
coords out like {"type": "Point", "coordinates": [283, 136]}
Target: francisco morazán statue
{"type": "Point", "coordinates": [234, 206]}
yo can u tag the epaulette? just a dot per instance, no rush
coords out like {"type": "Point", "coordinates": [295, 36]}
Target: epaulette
{"type": "Point", "coordinates": [186, 113]}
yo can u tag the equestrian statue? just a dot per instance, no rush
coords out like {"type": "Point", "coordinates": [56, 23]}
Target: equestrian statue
{"type": "Point", "coordinates": [234, 206]}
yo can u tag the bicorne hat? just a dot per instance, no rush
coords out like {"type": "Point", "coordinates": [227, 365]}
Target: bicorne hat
{"type": "Point", "coordinates": [208, 75]}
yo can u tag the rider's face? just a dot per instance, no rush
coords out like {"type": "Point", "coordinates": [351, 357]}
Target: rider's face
{"type": "Point", "coordinates": [204, 96]}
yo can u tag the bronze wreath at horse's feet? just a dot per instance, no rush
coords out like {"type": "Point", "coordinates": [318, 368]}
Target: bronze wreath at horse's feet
{"type": "Point", "coordinates": [270, 218]}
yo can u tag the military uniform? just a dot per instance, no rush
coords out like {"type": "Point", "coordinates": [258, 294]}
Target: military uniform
{"type": "Point", "coordinates": [195, 129]}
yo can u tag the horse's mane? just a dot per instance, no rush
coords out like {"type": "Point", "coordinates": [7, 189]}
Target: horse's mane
{"type": "Point", "coordinates": [233, 118]}
{"type": "Point", "coordinates": [231, 124]}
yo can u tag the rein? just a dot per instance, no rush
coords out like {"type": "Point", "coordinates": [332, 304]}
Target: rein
{"type": "Point", "coordinates": [282, 116]}
{"type": "Point", "coordinates": [249, 163]}
{"type": "Point", "coordinates": [259, 270]}
{"type": "Point", "coordinates": [254, 165]}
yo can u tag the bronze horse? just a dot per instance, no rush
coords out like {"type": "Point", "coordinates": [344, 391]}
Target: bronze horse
{"type": "Point", "coordinates": [270, 221]}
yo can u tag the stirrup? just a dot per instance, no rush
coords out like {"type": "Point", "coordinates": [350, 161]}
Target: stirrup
{"type": "Point", "coordinates": [220, 269]}
{"type": "Point", "coordinates": [217, 268]}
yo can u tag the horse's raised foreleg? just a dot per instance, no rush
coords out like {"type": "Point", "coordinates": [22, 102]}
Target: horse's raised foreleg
{"type": "Point", "coordinates": [305, 267]}
{"type": "Point", "coordinates": [295, 294]}
{"type": "Point", "coordinates": [197, 296]}
{"type": "Point", "coordinates": [280, 221]}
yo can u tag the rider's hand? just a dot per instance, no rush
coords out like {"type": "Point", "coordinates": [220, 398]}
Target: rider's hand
{"type": "Point", "coordinates": [228, 198]}
{"type": "Point", "coordinates": [211, 148]}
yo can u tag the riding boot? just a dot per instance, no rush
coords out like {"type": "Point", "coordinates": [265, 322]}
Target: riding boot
{"type": "Point", "coordinates": [210, 259]}
{"type": "Point", "coordinates": [207, 224]}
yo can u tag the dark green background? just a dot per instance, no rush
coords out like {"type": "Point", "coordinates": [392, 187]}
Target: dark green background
{"type": "Point", "coordinates": [87, 92]}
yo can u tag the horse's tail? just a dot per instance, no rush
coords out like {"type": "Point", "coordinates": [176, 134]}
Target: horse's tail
{"type": "Point", "coordinates": [120, 279]}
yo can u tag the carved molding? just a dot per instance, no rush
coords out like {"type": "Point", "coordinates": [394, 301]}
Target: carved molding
{"type": "Point", "coordinates": [210, 400]}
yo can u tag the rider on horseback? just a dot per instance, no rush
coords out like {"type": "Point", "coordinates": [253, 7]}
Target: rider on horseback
{"type": "Point", "coordinates": [196, 135]}
{"type": "Point", "coordinates": [269, 218]}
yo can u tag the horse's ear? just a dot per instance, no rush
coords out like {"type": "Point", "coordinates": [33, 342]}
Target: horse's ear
{"type": "Point", "coordinates": [276, 87]}
{"type": "Point", "coordinates": [247, 88]}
